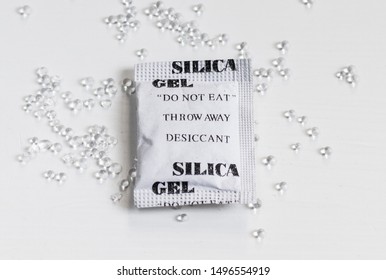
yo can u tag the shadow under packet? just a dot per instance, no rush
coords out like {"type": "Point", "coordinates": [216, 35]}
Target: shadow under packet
{"type": "Point", "coordinates": [195, 134]}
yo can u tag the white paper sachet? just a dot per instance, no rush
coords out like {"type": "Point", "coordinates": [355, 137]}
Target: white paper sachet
{"type": "Point", "coordinates": [195, 133]}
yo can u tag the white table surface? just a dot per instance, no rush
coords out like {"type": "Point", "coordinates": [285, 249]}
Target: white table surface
{"type": "Point", "coordinates": [333, 209]}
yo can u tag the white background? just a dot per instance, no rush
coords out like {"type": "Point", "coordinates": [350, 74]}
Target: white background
{"type": "Point", "coordinates": [334, 209]}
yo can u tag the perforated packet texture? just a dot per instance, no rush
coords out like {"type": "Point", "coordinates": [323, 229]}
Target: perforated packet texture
{"type": "Point", "coordinates": [143, 195]}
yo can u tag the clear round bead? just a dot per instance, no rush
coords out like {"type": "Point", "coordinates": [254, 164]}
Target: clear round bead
{"type": "Point", "coordinates": [281, 187]}
{"type": "Point", "coordinates": [141, 53]}
{"type": "Point", "coordinates": [104, 162]}
{"type": "Point", "coordinates": [295, 147]}
{"type": "Point", "coordinates": [49, 175]}
{"type": "Point", "coordinates": [87, 82]}
{"type": "Point", "coordinates": [23, 159]}
{"type": "Point", "coordinates": [133, 172]}
{"type": "Point", "coordinates": [116, 197]}
{"type": "Point", "coordinates": [302, 120]}
{"type": "Point", "coordinates": [68, 159]}
{"type": "Point", "coordinates": [261, 88]}
{"type": "Point", "coordinates": [33, 140]}
{"type": "Point", "coordinates": [39, 114]}
{"type": "Point", "coordinates": [134, 25]}
{"type": "Point", "coordinates": [285, 73]}
{"type": "Point", "coordinates": [89, 104]}
{"type": "Point", "coordinates": [198, 9]}
{"type": "Point", "coordinates": [124, 185]}
{"type": "Point", "coordinates": [277, 62]}
{"type": "Point", "coordinates": [128, 86]}
{"type": "Point", "coordinates": [282, 46]}
{"type": "Point", "coordinates": [80, 164]}
{"type": "Point", "coordinates": [223, 39]}
{"type": "Point", "coordinates": [325, 151]}
{"type": "Point", "coordinates": [313, 132]}
{"type": "Point", "coordinates": [255, 205]}
{"type": "Point", "coordinates": [101, 175]}
{"type": "Point", "coordinates": [24, 11]}
{"type": "Point", "coordinates": [27, 108]}
{"type": "Point", "coordinates": [289, 115]}
{"type": "Point", "coordinates": [41, 71]}
{"type": "Point", "coordinates": [114, 168]}
{"type": "Point", "coordinates": [259, 234]}
{"type": "Point", "coordinates": [269, 161]}
{"type": "Point", "coordinates": [105, 104]}
{"type": "Point", "coordinates": [44, 145]}
{"type": "Point", "coordinates": [307, 3]}
{"type": "Point", "coordinates": [51, 115]}
{"type": "Point", "coordinates": [181, 217]}
{"type": "Point", "coordinates": [242, 46]}
{"type": "Point", "coordinates": [111, 90]}
{"type": "Point", "coordinates": [56, 148]}
{"type": "Point", "coordinates": [60, 177]}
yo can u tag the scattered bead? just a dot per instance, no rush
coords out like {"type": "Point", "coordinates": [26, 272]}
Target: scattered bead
{"type": "Point", "coordinates": [259, 234]}
{"type": "Point", "coordinates": [198, 9]}
{"type": "Point", "coordinates": [285, 73]}
{"type": "Point", "coordinates": [281, 187]}
{"type": "Point", "coordinates": [42, 71]}
{"type": "Point", "coordinates": [313, 132]}
{"type": "Point", "coordinates": [326, 151]}
{"type": "Point", "coordinates": [141, 53]}
{"type": "Point", "coordinates": [302, 120]}
{"type": "Point", "coordinates": [24, 11]}
{"type": "Point", "coordinates": [182, 217]}
{"type": "Point", "coordinates": [222, 39]}
{"type": "Point", "coordinates": [101, 175]}
{"type": "Point", "coordinates": [127, 3]}
{"type": "Point", "coordinates": [256, 205]}
{"type": "Point", "coordinates": [52, 176]}
{"type": "Point", "coordinates": [51, 114]}
{"type": "Point", "coordinates": [261, 88]}
{"type": "Point", "coordinates": [68, 159]}
{"type": "Point", "coordinates": [295, 147]}
{"type": "Point", "coordinates": [278, 62]}
{"type": "Point", "coordinates": [242, 48]}
{"type": "Point", "coordinates": [347, 74]}
{"type": "Point", "coordinates": [307, 3]}
{"type": "Point", "coordinates": [60, 177]}
{"type": "Point", "coordinates": [49, 175]}
{"type": "Point", "coordinates": [167, 19]}
{"type": "Point", "coordinates": [133, 172]}
{"type": "Point", "coordinates": [263, 73]}
{"type": "Point", "coordinates": [23, 159]}
{"type": "Point", "coordinates": [116, 197]}
{"type": "Point", "coordinates": [289, 115]}
{"type": "Point", "coordinates": [256, 138]}
{"type": "Point", "coordinates": [124, 184]}
{"type": "Point", "coordinates": [269, 161]}
{"type": "Point", "coordinates": [87, 82]}
{"type": "Point", "coordinates": [105, 104]}
{"type": "Point", "coordinates": [114, 169]}
{"type": "Point", "coordinates": [111, 90]}
{"type": "Point", "coordinates": [93, 145]}
{"type": "Point", "coordinates": [33, 140]}
{"type": "Point", "coordinates": [282, 46]}
{"type": "Point", "coordinates": [56, 148]}
{"type": "Point", "coordinates": [80, 164]}
{"type": "Point", "coordinates": [124, 22]}
{"type": "Point", "coordinates": [128, 86]}
{"type": "Point", "coordinates": [75, 105]}
{"type": "Point", "coordinates": [89, 104]}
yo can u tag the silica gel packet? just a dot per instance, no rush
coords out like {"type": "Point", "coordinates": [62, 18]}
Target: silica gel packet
{"type": "Point", "coordinates": [195, 133]}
